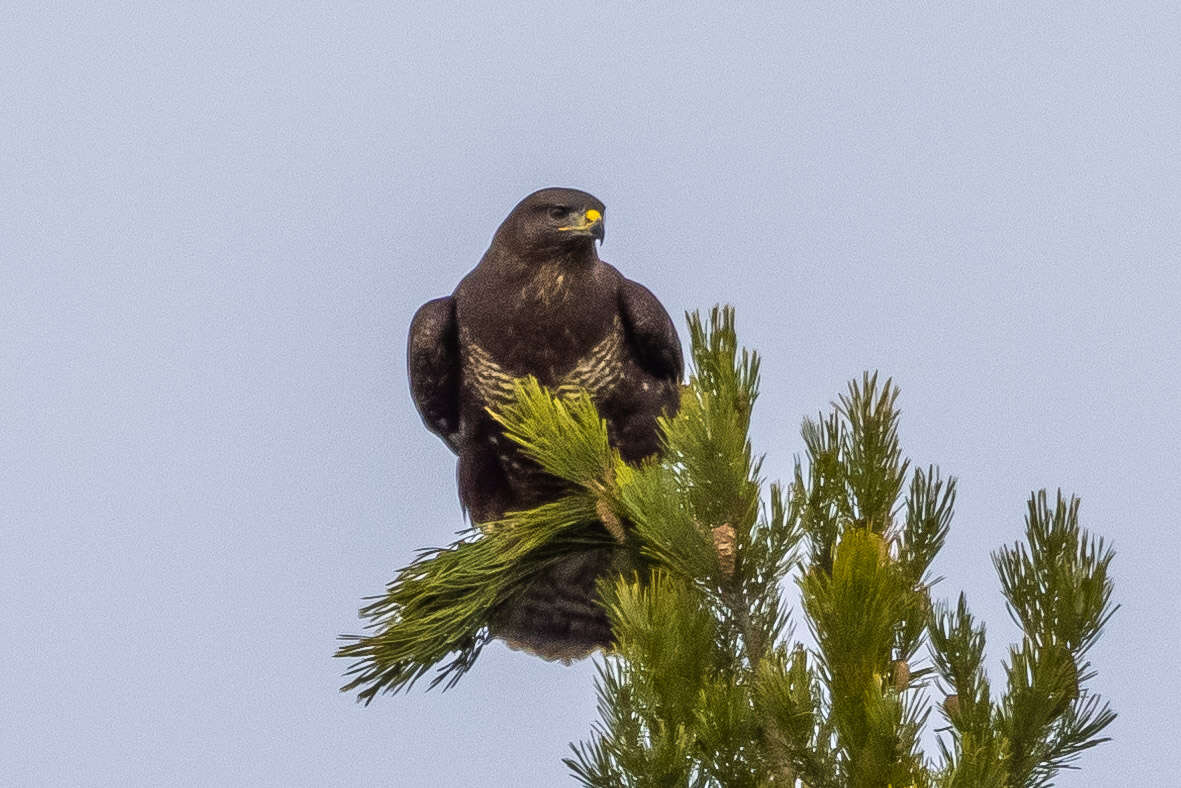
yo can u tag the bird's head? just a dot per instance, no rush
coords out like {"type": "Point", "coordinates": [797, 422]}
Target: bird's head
{"type": "Point", "coordinates": [555, 222]}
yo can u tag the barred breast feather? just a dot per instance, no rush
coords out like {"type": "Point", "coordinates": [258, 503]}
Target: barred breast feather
{"type": "Point", "coordinates": [599, 371]}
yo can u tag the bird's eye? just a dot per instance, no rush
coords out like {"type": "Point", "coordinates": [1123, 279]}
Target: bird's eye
{"type": "Point", "coordinates": [559, 212]}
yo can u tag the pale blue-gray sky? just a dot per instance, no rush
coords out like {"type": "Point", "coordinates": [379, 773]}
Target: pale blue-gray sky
{"type": "Point", "coordinates": [216, 220]}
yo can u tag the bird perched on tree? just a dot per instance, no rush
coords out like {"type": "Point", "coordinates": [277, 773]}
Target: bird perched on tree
{"type": "Point", "coordinates": [541, 302]}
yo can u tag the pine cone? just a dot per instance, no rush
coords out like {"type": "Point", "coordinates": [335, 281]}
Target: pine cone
{"type": "Point", "coordinates": [610, 520]}
{"type": "Point", "coordinates": [901, 674]}
{"type": "Point", "coordinates": [724, 541]}
{"type": "Point", "coordinates": [951, 705]}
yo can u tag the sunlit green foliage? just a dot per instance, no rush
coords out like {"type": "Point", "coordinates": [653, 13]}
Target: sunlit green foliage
{"type": "Point", "coordinates": [706, 685]}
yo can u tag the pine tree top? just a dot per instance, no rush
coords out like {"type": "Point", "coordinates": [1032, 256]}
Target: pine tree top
{"type": "Point", "coordinates": [705, 685]}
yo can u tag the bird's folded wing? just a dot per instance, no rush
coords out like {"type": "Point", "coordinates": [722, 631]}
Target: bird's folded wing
{"type": "Point", "coordinates": [432, 356]}
{"type": "Point", "coordinates": [650, 332]}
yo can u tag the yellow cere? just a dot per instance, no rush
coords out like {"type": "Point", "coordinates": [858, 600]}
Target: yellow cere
{"type": "Point", "coordinates": [593, 216]}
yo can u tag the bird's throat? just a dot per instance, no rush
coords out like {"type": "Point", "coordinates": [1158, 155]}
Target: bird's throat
{"type": "Point", "coordinates": [555, 284]}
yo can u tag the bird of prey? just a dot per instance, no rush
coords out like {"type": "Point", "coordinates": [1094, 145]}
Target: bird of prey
{"type": "Point", "coordinates": [541, 302]}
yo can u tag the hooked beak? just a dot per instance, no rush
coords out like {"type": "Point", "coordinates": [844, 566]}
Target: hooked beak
{"type": "Point", "coordinates": [591, 224]}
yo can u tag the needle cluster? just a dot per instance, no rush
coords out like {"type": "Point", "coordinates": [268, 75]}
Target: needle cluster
{"type": "Point", "coordinates": [706, 684]}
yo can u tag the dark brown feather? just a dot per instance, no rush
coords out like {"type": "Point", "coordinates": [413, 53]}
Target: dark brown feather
{"type": "Point", "coordinates": [542, 303]}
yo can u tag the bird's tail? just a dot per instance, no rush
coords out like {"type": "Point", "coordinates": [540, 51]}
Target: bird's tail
{"type": "Point", "coordinates": [559, 616]}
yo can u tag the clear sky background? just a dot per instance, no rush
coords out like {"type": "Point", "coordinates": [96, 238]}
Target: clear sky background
{"type": "Point", "coordinates": [216, 220]}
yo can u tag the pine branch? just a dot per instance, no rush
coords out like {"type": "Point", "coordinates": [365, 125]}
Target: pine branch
{"type": "Point", "coordinates": [823, 506]}
{"type": "Point", "coordinates": [438, 607]}
{"type": "Point", "coordinates": [1058, 588]}
{"type": "Point", "coordinates": [694, 513]}
{"type": "Point", "coordinates": [705, 686]}
{"type": "Point", "coordinates": [874, 468]}
{"type": "Point", "coordinates": [1059, 591]}
{"type": "Point", "coordinates": [977, 754]}
{"type": "Point", "coordinates": [852, 716]}
{"type": "Point", "coordinates": [565, 435]}
{"type": "Point", "coordinates": [854, 613]}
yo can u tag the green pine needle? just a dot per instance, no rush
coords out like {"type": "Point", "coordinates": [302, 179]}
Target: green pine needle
{"type": "Point", "coordinates": [704, 687]}
{"type": "Point", "coordinates": [439, 606]}
{"type": "Point", "coordinates": [565, 435]}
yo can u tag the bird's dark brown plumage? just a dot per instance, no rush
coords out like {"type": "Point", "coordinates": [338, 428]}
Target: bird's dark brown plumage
{"type": "Point", "coordinates": [541, 303]}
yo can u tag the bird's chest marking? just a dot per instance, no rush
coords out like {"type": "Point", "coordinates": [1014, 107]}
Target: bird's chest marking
{"type": "Point", "coordinates": [550, 284]}
{"type": "Point", "coordinates": [598, 371]}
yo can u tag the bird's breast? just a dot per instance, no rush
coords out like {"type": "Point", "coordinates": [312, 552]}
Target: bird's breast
{"type": "Point", "coordinates": [561, 360]}
{"type": "Point", "coordinates": [600, 369]}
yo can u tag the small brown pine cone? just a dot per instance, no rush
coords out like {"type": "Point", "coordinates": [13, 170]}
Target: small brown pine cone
{"type": "Point", "coordinates": [951, 704]}
{"type": "Point", "coordinates": [610, 520]}
{"type": "Point", "coordinates": [724, 542]}
{"type": "Point", "coordinates": [901, 674]}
